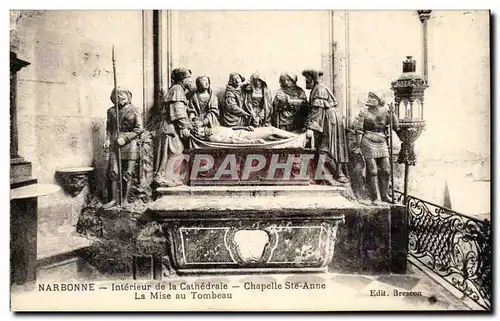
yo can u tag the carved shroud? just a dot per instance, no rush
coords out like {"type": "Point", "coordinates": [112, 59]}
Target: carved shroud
{"type": "Point", "coordinates": [294, 142]}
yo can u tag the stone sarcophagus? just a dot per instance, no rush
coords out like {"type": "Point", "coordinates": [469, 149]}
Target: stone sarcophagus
{"type": "Point", "coordinates": [250, 228]}
{"type": "Point", "coordinates": [282, 229]}
{"type": "Point", "coordinates": [267, 246]}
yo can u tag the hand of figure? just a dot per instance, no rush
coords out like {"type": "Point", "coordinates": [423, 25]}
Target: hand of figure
{"type": "Point", "coordinates": [185, 133]}
{"type": "Point", "coordinates": [250, 128]}
{"type": "Point", "coordinates": [197, 123]}
{"type": "Point", "coordinates": [309, 133]}
{"type": "Point", "coordinates": [121, 141]}
{"type": "Point", "coordinates": [281, 96]}
{"type": "Point", "coordinates": [357, 150]}
{"type": "Point", "coordinates": [106, 144]}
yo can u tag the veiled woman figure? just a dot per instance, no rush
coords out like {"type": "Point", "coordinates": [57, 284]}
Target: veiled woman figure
{"type": "Point", "coordinates": [233, 113]}
{"type": "Point", "coordinates": [289, 104]}
{"type": "Point", "coordinates": [203, 104]}
{"type": "Point", "coordinates": [257, 101]}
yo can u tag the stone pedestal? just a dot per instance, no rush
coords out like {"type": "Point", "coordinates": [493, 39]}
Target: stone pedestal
{"type": "Point", "coordinates": [373, 240]}
{"type": "Point", "coordinates": [23, 240]}
{"type": "Point", "coordinates": [23, 230]}
{"type": "Point", "coordinates": [281, 229]}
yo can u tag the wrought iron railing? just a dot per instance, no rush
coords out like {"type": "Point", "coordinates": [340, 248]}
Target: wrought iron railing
{"type": "Point", "coordinates": [454, 246]}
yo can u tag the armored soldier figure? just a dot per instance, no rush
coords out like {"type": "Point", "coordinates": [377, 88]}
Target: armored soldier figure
{"type": "Point", "coordinates": [124, 140]}
{"type": "Point", "coordinates": [371, 128]}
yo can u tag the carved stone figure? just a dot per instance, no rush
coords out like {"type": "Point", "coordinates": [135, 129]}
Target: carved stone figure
{"type": "Point", "coordinates": [356, 166]}
{"type": "Point", "coordinates": [325, 126]}
{"type": "Point", "coordinates": [257, 101]}
{"type": "Point", "coordinates": [289, 104]}
{"type": "Point", "coordinates": [203, 104]}
{"type": "Point", "coordinates": [126, 140]}
{"type": "Point", "coordinates": [371, 126]}
{"type": "Point", "coordinates": [234, 113]}
{"type": "Point", "coordinates": [240, 135]}
{"type": "Point", "coordinates": [174, 127]}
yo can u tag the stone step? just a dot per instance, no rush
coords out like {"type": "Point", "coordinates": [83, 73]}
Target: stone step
{"type": "Point", "coordinates": [254, 191]}
{"type": "Point", "coordinates": [20, 172]}
{"type": "Point", "coordinates": [218, 207]}
{"type": "Point", "coordinates": [60, 242]}
{"type": "Point", "coordinates": [66, 268]}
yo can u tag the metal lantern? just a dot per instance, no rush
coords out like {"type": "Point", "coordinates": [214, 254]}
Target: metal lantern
{"type": "Point", "coordinates": [409, 108]}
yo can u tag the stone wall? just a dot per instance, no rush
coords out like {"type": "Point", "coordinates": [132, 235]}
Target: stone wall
{"type": "Point", "coordinates": [216, 43]}
{"type": "Point", "coordinates": [456, 144]}
{"type": "Point", "coordinates": [64, 94]}
{"type": "Point", "coordinates": [454, 148]}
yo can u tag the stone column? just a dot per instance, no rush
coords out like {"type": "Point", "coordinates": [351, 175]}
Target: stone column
{"type": "Point", "coordinates": [341, 85]}
{"type": "Point", "coordinates": [424, 15]}
{"type": "Point", "coordinates": [15, 65]}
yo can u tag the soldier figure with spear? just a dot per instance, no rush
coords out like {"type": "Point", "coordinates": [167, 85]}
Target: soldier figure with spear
{"type": "Point", "coordinates": [372, 126]}
{"type": "Point", "coordinates": [123, 127]}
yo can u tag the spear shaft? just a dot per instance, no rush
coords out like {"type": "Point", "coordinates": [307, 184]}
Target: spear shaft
{"type": "Point", "coordinates": [391, 113]}
{"type": "Point", "coordinates": [118, 149]}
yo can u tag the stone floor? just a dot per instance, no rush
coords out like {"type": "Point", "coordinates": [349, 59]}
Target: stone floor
{"type": "Point", "coordinates": [58, 239]}
{"type": "Point", "coordinates": [343, 291]}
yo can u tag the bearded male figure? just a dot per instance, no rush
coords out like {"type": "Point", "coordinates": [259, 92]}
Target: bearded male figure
{"type": "Point", "coordinates": [174, 128]}
{"type": "Point", "coordinates": [325, 126]}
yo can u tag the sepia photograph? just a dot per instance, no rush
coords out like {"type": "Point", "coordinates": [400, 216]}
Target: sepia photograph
{"type": "Point", "coordinates": [250, 160]}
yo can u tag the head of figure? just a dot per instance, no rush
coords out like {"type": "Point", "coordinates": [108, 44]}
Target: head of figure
{"type": "Point", "coordinates": [124, 96]}
{"type": "Point", "coordinates": [312, 77]}
{"type": "Point", "coordinates": [203, 83]}
{"type": "Point", "coordinates": [374, 101]}
{"type": "Point", "coordinates": [257, 81]}
{"type": "Point", "coordinates": [235, 80]}
{"type": "Point", "coordinates": [182, 76]}
{"type": "Point", "coordinates": [287, 80]}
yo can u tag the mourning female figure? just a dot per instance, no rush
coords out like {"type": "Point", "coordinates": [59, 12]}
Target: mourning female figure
{"type": "Point", "coordinates": [233, 113]}
{"type": "Point", "coordinates": [257, 101]}
{"type": "Point", "coordinates": [289, 104]}
{"type": "Point", "coordinates": [371, 128]}
{"type": "Point", "coordinates": [325, 126]}
{"type": "Point", "coordinates": [203, 104]}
